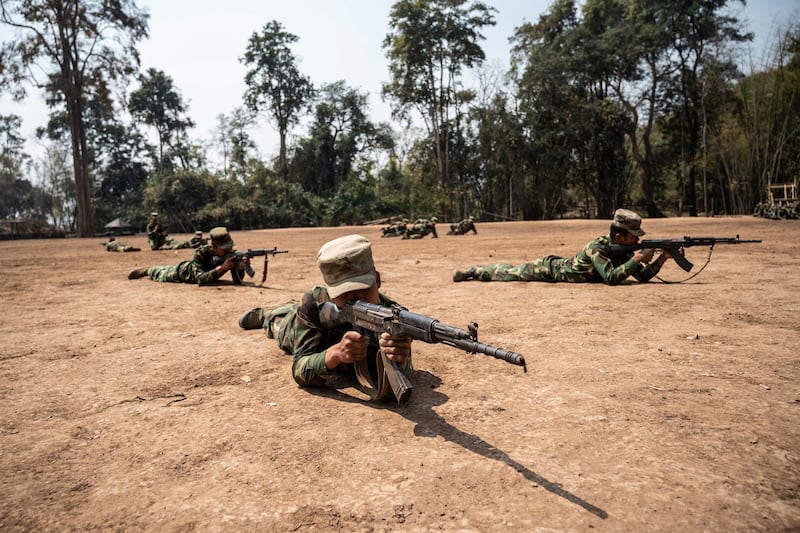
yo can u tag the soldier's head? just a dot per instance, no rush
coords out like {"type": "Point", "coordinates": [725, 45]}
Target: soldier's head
{"type": "Point", "coordinates": [154, 215]}
{"type": "Point", "coordinates": [434, 220]}
{"type": "Point", "coordinates": [626, 227]}
{"type": "Point", "coordinates": [221, 239]}
{"type": "Point", "coordinates": [348, 270]}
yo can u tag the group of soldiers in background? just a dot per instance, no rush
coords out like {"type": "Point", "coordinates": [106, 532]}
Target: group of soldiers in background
{"type": "Point", "coordinates": [158, 239]}
{"type": "Point", "coordinates": [783, 211]}
{"type": "Point", "coordinates": [423, 227]}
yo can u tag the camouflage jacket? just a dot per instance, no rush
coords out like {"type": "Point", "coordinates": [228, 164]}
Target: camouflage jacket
{"type": "Point", "coordinates": [304, 338]}
{"type": "Point", "coordinates": [200, 269]}
{"type": "Point", "coordinates": [117, 246]}
{"type": "Point", "coordinates": [593, 264]}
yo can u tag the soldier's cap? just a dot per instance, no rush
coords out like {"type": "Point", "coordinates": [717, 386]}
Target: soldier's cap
{"type": "Point", "coordinates": [471, 218]}
{"type": "Point", "coordinates": [434, 219]}
{"type": "Point", "coordinates": [221, 238]}
{"type": "Point", "coordinates": [629, 221]}
{"type": "Point", "coordinates": [153, 214]}
{"type": "Point", "coordinates": [198, 232]}
{"type": "Point", "coordinates": [346, 265]}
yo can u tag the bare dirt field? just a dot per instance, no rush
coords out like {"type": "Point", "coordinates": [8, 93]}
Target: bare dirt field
{"type": "Point", "coordinates": [142, 406]}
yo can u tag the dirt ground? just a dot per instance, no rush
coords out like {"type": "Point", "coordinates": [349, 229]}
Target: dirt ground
{"type": "Point", "coordinates": [142, 406]}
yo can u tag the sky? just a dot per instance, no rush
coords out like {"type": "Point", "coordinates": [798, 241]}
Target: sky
{"type": "Point", "coordinates": [198, 44]}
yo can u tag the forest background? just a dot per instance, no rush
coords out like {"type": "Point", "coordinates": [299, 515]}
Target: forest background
{"type": "Point", "coordinates": [606, 103]}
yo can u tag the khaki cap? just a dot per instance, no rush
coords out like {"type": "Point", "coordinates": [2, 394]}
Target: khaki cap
{"type": "Point", "coordinates": [629, 221]}
{"type": "Point", "coordinates": [221, 238]}
{"type": "Point", "coordinates": [153, 214]}
{"type": "Point", "coordinates": [346, 265]}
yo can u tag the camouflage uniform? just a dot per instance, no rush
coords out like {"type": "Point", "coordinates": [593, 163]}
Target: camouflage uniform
{"type": "Point", "coordinates": [195, 242]}
{"type": "Point", "coordinates": [463, 227]}
{"type": "Point", "coordinates": [421, 228]}
{"type": "Point", "coordinates": [201, 269]}
{"type": "Point", "coordinates": [157, 238]}
{"type": "Point", "coordinates": [298, 332]}
{"type": "Point", "coordinates": [114, 245]}
{"type": "Point", "coordinates": [591, 264]}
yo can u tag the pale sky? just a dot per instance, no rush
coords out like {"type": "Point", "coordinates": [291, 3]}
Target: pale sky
{"type": "Point", "coordinates": [198, 44]}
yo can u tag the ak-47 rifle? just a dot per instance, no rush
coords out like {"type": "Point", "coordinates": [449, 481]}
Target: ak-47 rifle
{"type": "Point", "coordinates": [367, 318]}
{"type": "Point", "coordinates": [675, 246]}
{"type": "Point", "coordinates": [250, 253]}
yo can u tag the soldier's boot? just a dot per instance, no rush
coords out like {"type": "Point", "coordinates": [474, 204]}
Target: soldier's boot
{"type": "Point", "coordinates": [138, 273]}
{"type": "Point", "coordinates": [252, 319]}
{"type": "Point", "coordinates": [464, 274]}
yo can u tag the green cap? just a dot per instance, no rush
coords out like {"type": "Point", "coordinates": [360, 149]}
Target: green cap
{"type": "Point", "coordinates": [629, 221]}
{"type": "Point", "coordinates": [221, 238]}
{"type": "Point", "coordinates": [346, 265]}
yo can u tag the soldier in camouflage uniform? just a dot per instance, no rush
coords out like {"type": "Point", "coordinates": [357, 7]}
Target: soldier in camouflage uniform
{"type": "Point", "coordinates": [157, 237]}
{"type": "Point", "coordinates": [195, 242]}
{"type": "Point", "coordinates": [321, 353]}
{"type": "Point", "coordinates": [113, 245]}
{"type": "Point", "coordinates": [421, 228]}
{"type": "Point", "coordinates": [463, 227]}
{"type": "Point", "coordinates": [202, 268]}
{"type": "Point", "coordinates": [592, 264]}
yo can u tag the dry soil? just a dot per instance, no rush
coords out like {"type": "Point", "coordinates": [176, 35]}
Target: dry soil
{"type": "Point", "coordinates": [142, 406]}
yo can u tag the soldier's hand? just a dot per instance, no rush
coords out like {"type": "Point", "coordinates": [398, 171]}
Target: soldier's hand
{"type": "Point", "coordinates": [229, 263]}
{"type": "Point", "coordinates": [645, 255]}
{"type": "Point", "coordinates": [397, 349]}
{"type": "Point", "coordinates": [352, 348]}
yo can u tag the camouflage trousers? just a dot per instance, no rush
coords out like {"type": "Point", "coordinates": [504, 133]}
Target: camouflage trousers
{"type": "Point", "coordinates": [170, 273]}
{"type": "Point", "coordinates": [274, 323]}
{"type": "Point", "coordinates": [538, 270]}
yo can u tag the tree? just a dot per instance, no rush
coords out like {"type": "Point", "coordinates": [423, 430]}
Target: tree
{"type": "Point", "coordinates": [699, 35]}
{"type": "Point", "coordinates": [158, 103]}
{"type": "Point", "coordinates": [233, 139]}
{"type": "Point", "coordinates": [80, 46]}
{"type": "Point", "coordinates": [274, 83]}
{"type": "Point", "coordinates": [340, 134]}
{"type": "Point", "coordinates": [12, 163]}
{"type": "Point", "coordinates": [431, 43]}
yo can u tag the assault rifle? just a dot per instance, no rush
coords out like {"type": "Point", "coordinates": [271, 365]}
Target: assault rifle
{"type": "Point", "coordinates": [249, 253]}
{"type": "Point", "coordinates": [674, 246]}
{"type": "Point", "coordinates": [367, 318]}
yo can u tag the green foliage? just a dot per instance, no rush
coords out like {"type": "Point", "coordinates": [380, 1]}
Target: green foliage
{"type": "Point", "coordinates": [75, 50]}
{"type": "Point", "coordinates": [158, 103]}
{"type": "Point", "coordinates": [274, 83]}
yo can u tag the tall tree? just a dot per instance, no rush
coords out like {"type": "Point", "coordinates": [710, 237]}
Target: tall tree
{"type": "Point", "coordinates": [80, 46]}
{"type": "Point", "coordinates": [158, 103]}
{"type": "Point", "coordinates": [700, 32]}
{"type": "Point", "coordinates": [233, 139]}
{"type": "Point", "coordinates": [338, 136]}
{"type": "Point", "coordinates": [12, 163]}
{"type": "Point", "coordinates": [430, 45]}
{"type": "Point", "coordinates": [274, 83]}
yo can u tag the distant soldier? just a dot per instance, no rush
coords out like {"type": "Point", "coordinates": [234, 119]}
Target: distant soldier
{"type": "Point", "coordinates": [421, 228]}
{"type": "Point", "coordinates": [397, 229]}
{"type": "Point", "coordinates": [113, 245]}
{"type": "Point", "coordinates": [195, 242]}
{"type": "Point", "coordinates": [156, 236]}
{"type": "Point", "coordinates": [463, 227]}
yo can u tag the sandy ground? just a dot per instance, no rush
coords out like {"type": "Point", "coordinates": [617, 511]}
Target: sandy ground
{"type": "Point", "coordinates": [141, 406]}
